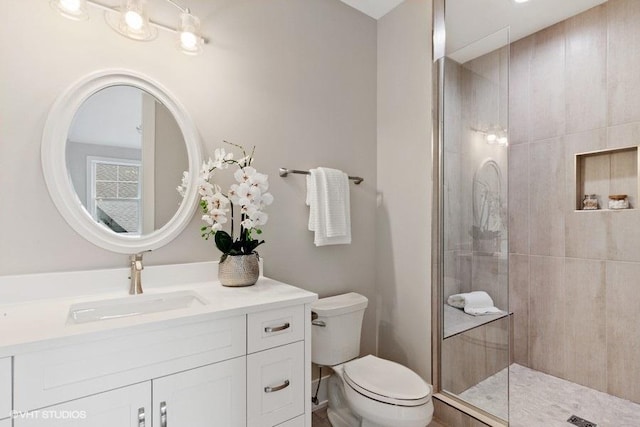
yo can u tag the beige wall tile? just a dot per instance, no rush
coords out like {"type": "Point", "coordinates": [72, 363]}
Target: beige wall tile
{"type": "Point", "coordinates": [595, 174]}
{"type": "Point", "coordinates": [624, 236]}
{"type": "Point", "coordinates": [464, 360]}
{"type": "Point", "coordinates": [587, 234]}
{"type": "Point", "coordinates": [585, 340]}
{"type": "Point", "coordinates": [548, 83]}
{"type": "Point", "coordinates": [623, 330]}
{"type": "Point", "coordinates": [519, 199]}
{"type": "Point", "coordinates": [519, 305]}
{"type": "Point", "coordinates": [624, 175]}
{"type": "Point", "coordinates": [520, 91]}
{"type": "Point", "coordinates": [586, 59]}
{"type": "Point", "coordinates": [547, 197]}
{"type": "Point", "coordinates": [490, 275]}
{"type": "Point", "coordinates": [497, 347]}
{"type": "Point", "coordinates": [623, 61]}
{"type": "Point", "coordinates": [547, 315]}
{"type": "Point", "coordinates": [623, 135]}
{"type": "Point", "coordinates": [578, 143]}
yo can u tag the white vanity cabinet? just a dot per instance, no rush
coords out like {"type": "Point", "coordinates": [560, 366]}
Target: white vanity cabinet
{"type": "Point", "coordinates": [276, 366]}
{"type": "Point", "coordinates": [202, 397]}
{"type": "Point", "coordinates": [245, 370]}
{"type": "Point", "coordinates": [5, 391]}
{"type": "Point", "coordinates": [123, 407]}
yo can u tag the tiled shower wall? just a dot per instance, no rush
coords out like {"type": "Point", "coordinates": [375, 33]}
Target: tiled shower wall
{"type": "Point", "coordinates": [575, 276]}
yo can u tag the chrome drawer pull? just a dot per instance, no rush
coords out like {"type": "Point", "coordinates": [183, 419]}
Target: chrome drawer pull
{"type": "Point", "coordinates": [277, 328]}
{"type": "Point", "coordinates": [141, 417]}
{"type": "Point", "coordinates": [318, 323]}
{"type": "Point", "coordinates": [285, 384]}
{"type": "Point", "coordinates": [163, 414]}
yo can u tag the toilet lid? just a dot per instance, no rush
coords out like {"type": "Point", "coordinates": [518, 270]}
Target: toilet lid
{"type": "Point", "coordinates": [386, 381]}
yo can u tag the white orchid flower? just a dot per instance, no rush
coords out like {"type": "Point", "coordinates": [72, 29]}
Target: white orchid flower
{"type": "Point", "coordinates": [258, 217]}
{"type": "Point", "coordinates": [221, 158]}
{"type": "Point", "coordinates": [248, 223]}
{"type": "Point", "coordinates": [267, 199]}
{"type": "Point", "coordinates": [244, 174]}
{"type": "Point", "coordinates": [207, 219]}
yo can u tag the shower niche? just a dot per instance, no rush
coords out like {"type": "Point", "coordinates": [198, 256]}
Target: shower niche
{"type": "Point", "coordinates": [604, 173]}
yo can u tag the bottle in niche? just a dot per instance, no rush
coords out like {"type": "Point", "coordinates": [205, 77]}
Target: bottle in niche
{"type": "Point", "coordinates": [590, 202]}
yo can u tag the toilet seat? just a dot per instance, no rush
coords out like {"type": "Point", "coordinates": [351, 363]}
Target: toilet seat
{"type": "Point", "coordinates": [386, 381]}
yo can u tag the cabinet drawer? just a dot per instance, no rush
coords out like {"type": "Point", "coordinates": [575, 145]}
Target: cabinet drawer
{"type": "Point", "coordinates": [275, 385]}
{"type": "Point", "coordinates": [5, 388]}
{"type": "Point", "coordinates": [296, 422]}
{"type": "Point", "coordinates": [68, 372]}
{"type": "Point", "coordinates": [272, 328]}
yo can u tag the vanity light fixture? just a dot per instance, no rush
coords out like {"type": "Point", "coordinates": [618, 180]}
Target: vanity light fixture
{"type": "Point", "coordinates": [131, 19]}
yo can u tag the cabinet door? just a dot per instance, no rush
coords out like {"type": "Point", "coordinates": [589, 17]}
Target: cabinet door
{"type": "Point", "coordinates": [210, 396]}
{"type": "Point", "coordinates": [275, 386]}
{"type": "Point", "coordinates": [123, 407]}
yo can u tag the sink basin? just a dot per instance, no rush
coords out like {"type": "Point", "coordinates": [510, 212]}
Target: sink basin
{"type": "Point", "coordinates": [133, 305]}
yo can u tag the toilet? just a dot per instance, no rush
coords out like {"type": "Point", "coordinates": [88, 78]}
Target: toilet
{"type": "Point", "coordinates": [367, 391]}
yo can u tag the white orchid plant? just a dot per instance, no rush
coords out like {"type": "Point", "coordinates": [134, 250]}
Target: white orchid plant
{"type": "Point", "coordinates": [249, 194]}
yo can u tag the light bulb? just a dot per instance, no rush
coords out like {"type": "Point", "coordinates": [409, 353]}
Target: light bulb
{"type": "Point", "coordinates": [503, 141]}
{"type": "Point", "coordinates": [188, 40]}
{"type": "Point", "coordinates": [491, 138]}
{"type": "Point", "coordinates": [72, 6]}
{"type": "Point", "coordinates": [72, 9]}
{"type": "Point", "coordinates": [134, 20]}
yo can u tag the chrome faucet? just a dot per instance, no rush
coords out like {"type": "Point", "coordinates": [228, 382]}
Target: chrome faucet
{"type": "Point", "coordinates": [135, 275]}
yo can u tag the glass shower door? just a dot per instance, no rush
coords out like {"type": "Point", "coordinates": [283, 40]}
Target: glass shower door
{"type": "Point", "coordinates": [475, 307]}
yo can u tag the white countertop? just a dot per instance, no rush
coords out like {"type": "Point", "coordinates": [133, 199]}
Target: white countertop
{"type": "Point", "coordinates": [31, 322]}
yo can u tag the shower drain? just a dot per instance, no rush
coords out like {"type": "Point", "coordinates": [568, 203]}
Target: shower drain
{"type": "Point", "coordinates": [580, 422]}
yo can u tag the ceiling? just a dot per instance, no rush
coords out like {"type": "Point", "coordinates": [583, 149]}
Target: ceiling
{"type": "Point", "coordinates": [374, 8]}
{"type": "Point", "coordinates": [476, 27]}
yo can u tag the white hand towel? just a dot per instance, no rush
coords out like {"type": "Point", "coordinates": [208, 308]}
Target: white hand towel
{"type": "Point", "coordinates": [336, 201]}
{"type": "Point", "coordinates": [474, 303]}
{"type": "Point", "coordinates": [318, 195]}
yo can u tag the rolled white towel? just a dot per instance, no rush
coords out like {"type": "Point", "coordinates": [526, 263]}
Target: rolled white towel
{"type": "Point", "coordinates": [474, 303]}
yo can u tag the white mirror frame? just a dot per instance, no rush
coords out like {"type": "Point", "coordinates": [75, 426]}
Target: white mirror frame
{"type": "Point", "coordinates": [54, 164]}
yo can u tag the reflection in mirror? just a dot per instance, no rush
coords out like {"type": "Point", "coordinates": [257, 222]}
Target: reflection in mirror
{"type": "Point", "coordinates": [125, 155]}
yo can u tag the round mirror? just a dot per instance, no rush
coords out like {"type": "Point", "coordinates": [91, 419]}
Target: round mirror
{"type": "Point", "coordinates": [114, 149]}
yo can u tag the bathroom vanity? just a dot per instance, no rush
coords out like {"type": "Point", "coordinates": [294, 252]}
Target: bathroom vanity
{"type": "Point", "coordinates": [220, 356]}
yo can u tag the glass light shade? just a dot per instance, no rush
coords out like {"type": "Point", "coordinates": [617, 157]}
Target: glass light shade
{"type": "Point", "coordinates": [491, 137]}
{"type": "Point", "coordinates": [132, 21]}
{"type": "Point", "coordinates": [72, 9]}
{"type": "Point", "coordinates": [189, 38]}
{"type": "Point", "coordinates": [503, 141]}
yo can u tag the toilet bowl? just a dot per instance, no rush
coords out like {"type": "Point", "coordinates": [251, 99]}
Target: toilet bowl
{"type": "Point", "coordinates": [367, 391]}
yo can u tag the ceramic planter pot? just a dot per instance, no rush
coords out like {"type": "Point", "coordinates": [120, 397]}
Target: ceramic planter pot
{"type": "Point", "coordinates": [239, 270]}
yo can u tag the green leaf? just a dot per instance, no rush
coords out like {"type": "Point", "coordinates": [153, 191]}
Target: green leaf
{"type": "Point", "coordinates": [223, 240]}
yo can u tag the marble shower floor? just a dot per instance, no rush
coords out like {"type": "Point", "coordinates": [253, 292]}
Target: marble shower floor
{"type": "Point", "coordinates": [538, 399]}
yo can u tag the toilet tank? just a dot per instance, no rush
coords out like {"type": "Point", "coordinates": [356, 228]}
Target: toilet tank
{"type": "Point", "coordinates": [338, 341]}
